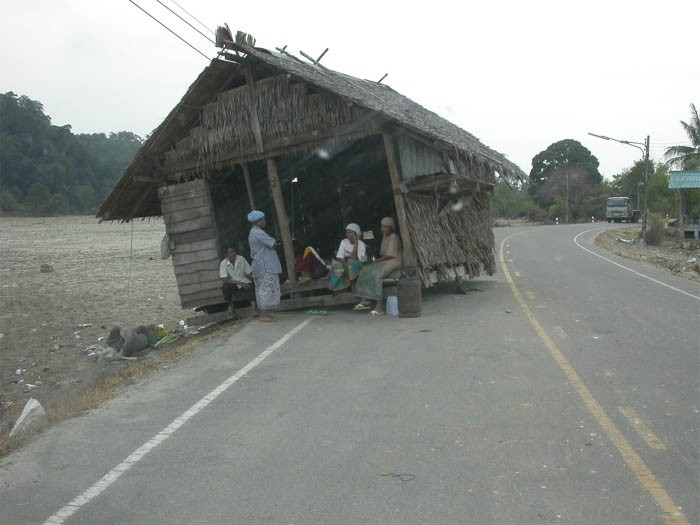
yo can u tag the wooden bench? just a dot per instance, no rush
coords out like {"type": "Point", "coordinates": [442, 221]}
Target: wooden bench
{"type": "Point", "coordinates": [295, 296]}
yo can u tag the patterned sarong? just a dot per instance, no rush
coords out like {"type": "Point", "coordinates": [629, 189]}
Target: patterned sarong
{"type": "Point", "coordinates": [267, 291]}
{"type": "Point", "coordinates": [339, 278]}
{"type": "Point", "coordinates": [369, 282]}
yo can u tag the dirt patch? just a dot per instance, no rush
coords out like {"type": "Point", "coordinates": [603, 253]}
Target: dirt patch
{"type": "Point", "coordinates": [102, 275]}
{"type": "Point", "coordinates": [682, 259]}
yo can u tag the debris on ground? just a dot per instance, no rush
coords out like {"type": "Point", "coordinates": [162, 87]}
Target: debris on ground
{"type": "Point", "coordinates": [31, 415]}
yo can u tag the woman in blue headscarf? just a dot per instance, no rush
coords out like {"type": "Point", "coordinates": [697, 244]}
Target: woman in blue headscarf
{"type": "Point", "coordinates": [266, 266]}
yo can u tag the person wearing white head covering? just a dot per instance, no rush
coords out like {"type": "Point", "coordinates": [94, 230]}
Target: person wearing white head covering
{"type": "Point", "coordinates": [266, 266]}
{"type": "Point", "coordinates": [369, 282]}
{"type": "Point", "coordinates": [351, 255]}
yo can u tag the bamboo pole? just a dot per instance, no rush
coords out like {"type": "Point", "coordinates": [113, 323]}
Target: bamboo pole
{"type": "Point", "coordinates": [282, 220]}
{"type": "Point", "coordinates": [255, 122]}
{"type": "Point", "coordinates": [395, 175]}
{"type": "Point", "coordinates": [248, 185]}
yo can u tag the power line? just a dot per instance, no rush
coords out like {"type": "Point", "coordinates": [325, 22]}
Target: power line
{"type": "Point", "coordinates": [166, 27]}
{"type": "Point", "coordinates": [186, 22]}
{"type": "Point", "coordinates": [193, 17]}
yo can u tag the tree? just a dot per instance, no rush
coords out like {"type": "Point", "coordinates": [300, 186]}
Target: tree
{"type": "Point", "coordinates": [74, 173]}
{"type": "Point", "coordinates": [38, 196]}
{"type": "Point", "coordinates": [630, 183]}
{"type": "Point", "coordinates": [561, 160]}
{"type": "Point", "coordinates": [514, 202]}
{"type": "Point", "coordinates": [687, 157]}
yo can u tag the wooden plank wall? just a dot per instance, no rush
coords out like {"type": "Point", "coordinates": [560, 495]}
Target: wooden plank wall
{"type": "Point", "coordinates": [189, 221]}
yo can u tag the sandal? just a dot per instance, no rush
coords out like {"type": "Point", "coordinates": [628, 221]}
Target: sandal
{"type": "Point", "coordinates": [377, 312]}
{"type": "Point", "coordinates": [360, 306]}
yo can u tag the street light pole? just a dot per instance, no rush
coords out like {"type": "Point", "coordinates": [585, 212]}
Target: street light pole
{"type": "Point", "coordinates": [644, 148]}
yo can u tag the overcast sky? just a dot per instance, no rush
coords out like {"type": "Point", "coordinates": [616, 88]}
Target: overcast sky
{"type": "Point", "coordinates": [518, 75]}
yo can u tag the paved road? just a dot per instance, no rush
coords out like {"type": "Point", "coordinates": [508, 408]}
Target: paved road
{"type": "Point", "coordinates": [565, 389]}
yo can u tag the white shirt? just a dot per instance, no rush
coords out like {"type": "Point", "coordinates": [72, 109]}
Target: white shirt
{"type": "Point", "coordinates": [345, 250]}
{"type": "Point", "coordinates": [238, 272]}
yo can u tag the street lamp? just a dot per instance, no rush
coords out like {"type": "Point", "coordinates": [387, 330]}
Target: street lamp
{"type": "Point", "coordinates": [644, 147]}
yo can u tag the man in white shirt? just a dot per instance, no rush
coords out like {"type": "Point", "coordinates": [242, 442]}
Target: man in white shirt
{"type": "Point", "coordinates": [235, 274]}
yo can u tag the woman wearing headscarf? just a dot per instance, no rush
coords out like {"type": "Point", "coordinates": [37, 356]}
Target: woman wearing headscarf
{"type": "Point", "coordinates": [265, 265]}
{"type": "Point", "coordinates": [369, 282]}
{"type": "Point", "coordinates": [349, 259]}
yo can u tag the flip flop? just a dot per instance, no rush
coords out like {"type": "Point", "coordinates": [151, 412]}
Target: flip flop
{"type": "Point", "coordinates": [376, 312]}
{"type": "Point", "coordinates": [360, 306]}
{"type": "Point", "coordinates": [267, 319]}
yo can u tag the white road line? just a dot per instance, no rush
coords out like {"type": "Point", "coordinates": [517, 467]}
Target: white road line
{"type": "Point", "coordinates": [696, 297]}
{"type": "Point", "coordinates": [114, 474]}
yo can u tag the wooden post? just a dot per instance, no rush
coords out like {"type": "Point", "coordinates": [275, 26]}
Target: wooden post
{"type": "Point", "coordinates": [395, 174]}
{"type": "Point", "coordinates": [277, 197]}
{"type": "Point", "coordinates": [255, 121]}
{"type": "Point", "coordinates": [248, 185]}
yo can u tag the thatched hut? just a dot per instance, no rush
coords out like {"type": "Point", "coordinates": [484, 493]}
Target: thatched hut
{"type": "Point", "coordinates": [316, 149]}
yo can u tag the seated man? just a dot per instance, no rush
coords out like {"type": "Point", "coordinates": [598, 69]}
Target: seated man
{"type": "Point", "coordinates": [369, 282]}
{"type": "Point", "coordinates": [235, 273]}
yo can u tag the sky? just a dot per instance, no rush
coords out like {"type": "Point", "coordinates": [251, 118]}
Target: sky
{"type": "Point", "coordinates": [517, 75]}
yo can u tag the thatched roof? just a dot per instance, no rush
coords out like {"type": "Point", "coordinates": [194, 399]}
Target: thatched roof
{"type": "Point", "coordinates": [135, 194]}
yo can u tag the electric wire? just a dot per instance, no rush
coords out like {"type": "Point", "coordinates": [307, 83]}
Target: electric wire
{"type": "Point", "coordinates": [166, 27]}
{"type": "Point", "coordinates": [186, 22]}
{"type": "Point", "coordinates": [193, 17]}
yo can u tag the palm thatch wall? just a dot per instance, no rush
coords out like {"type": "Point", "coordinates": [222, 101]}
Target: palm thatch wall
{"type": "Point", "coordinates": [448, 234]}
{"type": "Point", "coordinates": [283, 109]}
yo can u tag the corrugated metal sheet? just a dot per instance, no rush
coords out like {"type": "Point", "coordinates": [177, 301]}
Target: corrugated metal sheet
{"type": "Point", "coordinates": [418, 159]}
{"type": "Point", "coordinates": [684, 180]}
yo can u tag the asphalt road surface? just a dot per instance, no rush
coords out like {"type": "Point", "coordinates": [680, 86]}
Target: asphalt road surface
{"type": "Point", "coordinates": [564, 389]}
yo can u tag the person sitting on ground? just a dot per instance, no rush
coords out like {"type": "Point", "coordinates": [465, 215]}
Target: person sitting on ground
{"type": "Point", "coordinates": [236, 276]}
{"type": "Point", "coordinates": [309, 265]}
{"type": "Point", "coordinates": [351, 255]}
{"type": "Point", "coordinates": [369, 282]}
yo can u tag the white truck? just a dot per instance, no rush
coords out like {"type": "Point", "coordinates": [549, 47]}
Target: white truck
{"type": "Point", "coordinates": [619, 209]}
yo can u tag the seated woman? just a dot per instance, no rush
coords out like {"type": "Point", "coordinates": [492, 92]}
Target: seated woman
{"type": "Point", "coordinates": [369, 282]}
{"type": "Point", "coordinates": [349, 259]}
{"type": "Point", "coordinates": [310, 266]}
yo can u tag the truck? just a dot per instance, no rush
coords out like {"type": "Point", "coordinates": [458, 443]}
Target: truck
{"type": "Point", "coordinates": [619, 209]}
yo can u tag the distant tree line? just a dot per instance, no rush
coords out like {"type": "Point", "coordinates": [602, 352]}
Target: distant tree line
{"type": "Point", "coordinates": [564, 183]}
{"type": "Point", "coordinates": [47, 170]}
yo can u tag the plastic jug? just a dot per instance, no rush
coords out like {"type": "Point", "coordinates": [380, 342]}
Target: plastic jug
{"type": "Point", "coordinates": [392, 305]}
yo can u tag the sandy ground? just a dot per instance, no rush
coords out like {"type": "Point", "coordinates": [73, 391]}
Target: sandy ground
{"type": "Point", "coordinates": [683, 260]}
{"type": "Point", "coordinates": [103, 275]}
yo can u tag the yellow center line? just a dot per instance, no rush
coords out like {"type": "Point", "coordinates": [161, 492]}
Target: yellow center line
{"type": "Point", "coordinates": [644, 475]}
{"type": "Point", "coordinates": [642, 429]}
{"type": "Point", "coordinates": [561, 333]}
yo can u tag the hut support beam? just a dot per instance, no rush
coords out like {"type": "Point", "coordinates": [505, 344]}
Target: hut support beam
{"type": "Point", "coordinates": [395, 175]}
{"type": "Point", "coordinates": [276, 191]}
{"type": "Point", "coordinates": [248, 185]}
{"type": "Point", "coordinates": [250, 81]}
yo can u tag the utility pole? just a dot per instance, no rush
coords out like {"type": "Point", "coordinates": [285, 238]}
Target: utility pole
{"type": "Point", "coordinates": [644, 148]}
{"type": "Point", "coordinates": [646, 191]}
